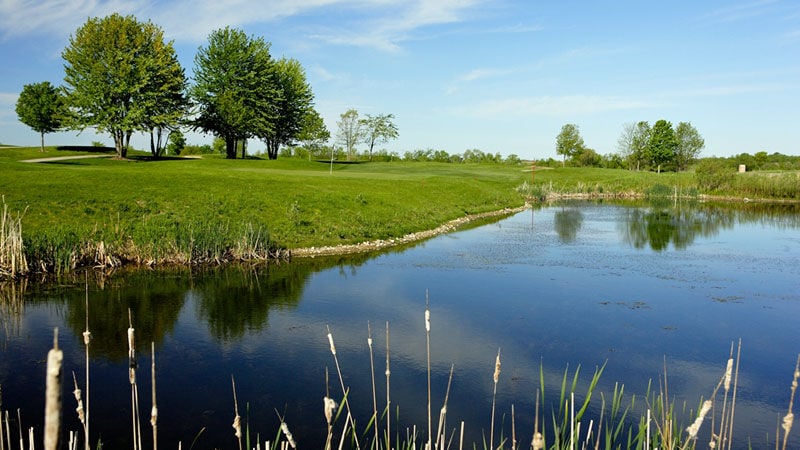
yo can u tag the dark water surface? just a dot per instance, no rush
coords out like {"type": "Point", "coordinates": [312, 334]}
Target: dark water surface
{"type": "Point", "coordinates": [632, 286]}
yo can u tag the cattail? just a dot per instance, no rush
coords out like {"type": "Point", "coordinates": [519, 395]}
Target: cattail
{"type": "Point", "coordinates": [330, 341]}
{"type": "Point", "coordinates": [330, 407]}
{"type": "Point", "coordinates": [496, 376]}
{"type": "Point", "coordinates": [77, 394]}
{"type": "Point", "coordinates": [52, 410]}
{"type": "Point", "coordinates": [695, 427]}
{"type": "Point", "coordinates": [427, 320]}
{"type": "Point", "coordinates": [237, 426]}
{"type": "Point", "coordinates": [289, 437]}
{"type": "Point", "coordinates": [538, 441]}
{"type": "Point", "coordinates": [728, 373]}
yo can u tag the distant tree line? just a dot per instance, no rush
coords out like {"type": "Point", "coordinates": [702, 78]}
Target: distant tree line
{"type": "Point", "coordinates": [122, 77]}
{"type": "Point", "coordinates": [641, 147]}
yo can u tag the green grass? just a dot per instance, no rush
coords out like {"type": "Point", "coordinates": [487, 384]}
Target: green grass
{"type": "Point", "coordinates": [107, 211]}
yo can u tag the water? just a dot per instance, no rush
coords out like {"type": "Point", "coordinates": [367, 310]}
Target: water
{"type": "Point", "coordinates": [637, 288]}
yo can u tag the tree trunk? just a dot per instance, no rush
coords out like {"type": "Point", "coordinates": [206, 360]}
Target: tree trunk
{"type": "Point", "coordinates": [244, 148]}
{"type": "Point", "coordinates": [119, 141]}
{"type": "Point", "coordinates": [230, 148]}
{"type": "Point", "coordinates": [42, 148]}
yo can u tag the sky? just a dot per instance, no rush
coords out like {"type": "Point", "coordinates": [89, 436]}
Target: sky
{"type": "Point", "coordinates": [501, 76]}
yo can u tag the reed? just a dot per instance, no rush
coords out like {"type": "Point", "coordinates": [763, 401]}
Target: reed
{"type": "Point", "coordinates": [13, 262]}
{"type": "Point", "coordinates": [52, 409]}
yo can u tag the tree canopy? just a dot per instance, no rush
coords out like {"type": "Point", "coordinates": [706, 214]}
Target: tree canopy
{"type": "Point", "coordinates": [235, 89]}
{"type": "Point", "coordinates": [569, 141]}
{"type": "Point", "coordinates": [689, 144]}
{"type": "Point", "coordinates": [349, 131]}
{"type": "Point", "coordinates": [121, 77]}
{"type": "Point", "coordinates": [41, 107]}
{"type": "Point", "coordinates": [663, 145]}
{"type": "Point", "coordinates": [378, 128]}
{"type": "Point", "coordinates": [292, 104]}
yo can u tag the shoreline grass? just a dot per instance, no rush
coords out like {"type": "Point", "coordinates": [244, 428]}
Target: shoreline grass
{"type": "Point", "coordinates": [107, 213]}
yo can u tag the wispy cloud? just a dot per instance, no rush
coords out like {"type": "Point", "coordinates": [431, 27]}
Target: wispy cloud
{"type": "Point", "coordinates": [381, 24]}
{"type": "Point", "coordinates": [474, 75]}
{"type": "Point", "coordinates": [566, 105]}
{"type": "Point", "coordinates": [395, 22]}
{"type": "Point", "coordinates": [55, 17]}
{"type": "Point", "coordinates": [741, 11]}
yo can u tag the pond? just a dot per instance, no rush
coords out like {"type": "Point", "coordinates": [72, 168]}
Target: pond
{"type": "Point", "coordinates": [641, 289]}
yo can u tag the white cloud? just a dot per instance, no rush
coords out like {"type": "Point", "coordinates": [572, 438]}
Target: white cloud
{"type": "Point", "coordinates": [379, 24]}
{"type": "Point", "coordinates": [395, 23]}
{"type": "Point", "coordinates": [551, 106]}
{"type": "Point", "coordinates": [742, 11]}
{"type": "Point", "coordinates": [474, 75]}
{"type": "Point", "coordinates": [55, 17]}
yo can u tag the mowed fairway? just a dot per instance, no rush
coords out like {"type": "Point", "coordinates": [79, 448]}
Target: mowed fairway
{"type": "Point", "coordinates": [299, 203]}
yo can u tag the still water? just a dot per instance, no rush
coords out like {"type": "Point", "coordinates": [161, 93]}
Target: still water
{"type": "Point", "coordinates": [635, 287]}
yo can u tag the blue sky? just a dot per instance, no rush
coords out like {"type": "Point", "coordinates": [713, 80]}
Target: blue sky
{"type": "Point", "coordinates": [501, 76]}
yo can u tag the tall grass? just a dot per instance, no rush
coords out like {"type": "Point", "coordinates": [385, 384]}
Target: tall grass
{"type": "Point", "coordinates": [13, 262]}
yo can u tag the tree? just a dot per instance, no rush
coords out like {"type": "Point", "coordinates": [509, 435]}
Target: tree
{"type": "Point", "coordinates": [633, 143]}
{"type": "Point", "coordinates": [167, 100]}
{"type": "Point", "coordinates": [379, 128]}
{"type": "Point", "coordinates": [689, 144]}
{"type": "Point", "coordinates": [349, 131]}
{"type": "Point", "coordinates": [235, 88]}
{"type": "Point", "coordinates": [291, 106]}
{"type": "Point", "coordinates": [662, 146]}
{"type": "Point", "coordinates": [569, 142]}
{"type": "Point", "coordinates": [121, 77]}
{"type": "Point", "coordinates": [176, 143]}
{"type": "Point", "coordinates": [41, 107]}
{"type": "Point", "coordinates": [313, 134]}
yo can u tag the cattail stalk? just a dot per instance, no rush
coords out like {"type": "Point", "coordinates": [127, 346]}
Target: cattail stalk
{"type": "Point", "coordinates": [537, 443]}
{"type": "Point", "coordinates": [733, 397]}
{"type": "Point", "coordinates": [495, 378]}
{"type": "Point", "coordinates": [443, 413]}
{"type": "Point", "coordinates": [52, 409]}
{"type": "Point", "coordinates": [428, 347]}
{"type": "Point", "coordinates": [135, 423]}
{"type": "Point", "coordinates": [374, 394]}
{"type": "Point", "coordinates": [79, 410]}
{"type": "Point", "coordinates": [388, 400]}
{"type": "Point", "coordinates": [788, 419]}
{"type": "Point", "coordinates": [344, 390]}
{"type": "Point", "coordinates": [695, 426]}
{"type": "Point", "coordinates": [237, 419]}
{"type": "Point", "coordinates": [87, 337]}
{"type": "Point", "coordinates": [154, 409]}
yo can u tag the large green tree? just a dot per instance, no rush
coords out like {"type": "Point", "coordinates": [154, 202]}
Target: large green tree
{"type": "Point", "coordinates": [293, 102]}
{"type": "Point", "coordinates": [569, 142]}
{"type": "Point", "coordinates": [235, 88]}
{"type": "Point", "coordinates": [41, 107]}
{"type": "Point", "coordinates": [313, 134]}
{"type": "Point", "coordinates": [662, 146]}
{"type": "Point", "coordinates": [121, 77]}
{"type": "Point", "coordinates": [378, 128]}
{"type": "Point", "coordinates": [689, 144]}
{"type": "Point", "coordinates": [350, 131]}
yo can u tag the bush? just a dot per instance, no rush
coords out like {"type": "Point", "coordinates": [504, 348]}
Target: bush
{"type": "Point", "coordinates": [714, 174]}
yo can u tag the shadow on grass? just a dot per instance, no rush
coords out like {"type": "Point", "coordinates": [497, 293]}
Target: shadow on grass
{"type": "Point", "coordinates": [85, 148]}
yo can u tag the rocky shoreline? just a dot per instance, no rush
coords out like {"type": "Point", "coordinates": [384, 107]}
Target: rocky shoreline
{"type": "Point", "coordinates": [380, 244]}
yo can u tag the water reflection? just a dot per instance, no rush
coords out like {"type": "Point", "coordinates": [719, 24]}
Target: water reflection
{"type": "Point", "coordinates": [659, 225]}
{"type": "Point", "coordinates": [568, 222]}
